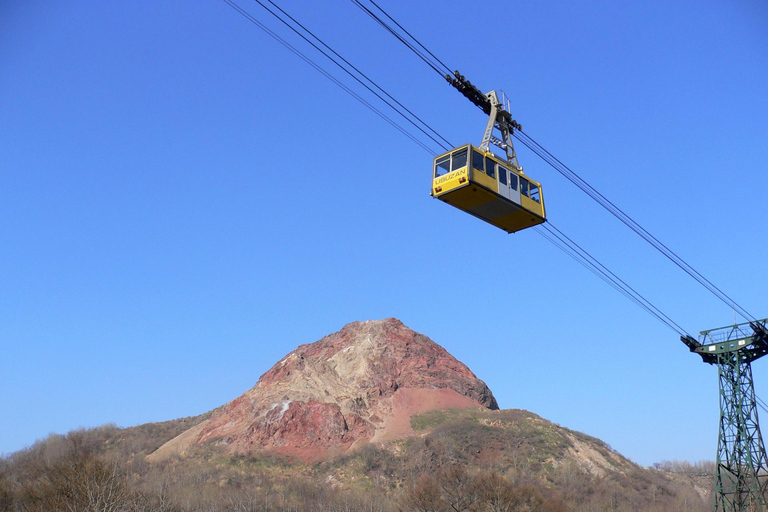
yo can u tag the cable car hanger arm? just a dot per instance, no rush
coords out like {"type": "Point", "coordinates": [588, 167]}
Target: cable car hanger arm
{"type": "Point", "coordinates": [473, 94]}
{"type": "Point", "coordinates": [498, 117]}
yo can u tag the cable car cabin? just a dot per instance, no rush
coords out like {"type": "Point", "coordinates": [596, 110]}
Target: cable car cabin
{"type": "Point", "coordinates": [487, 187]}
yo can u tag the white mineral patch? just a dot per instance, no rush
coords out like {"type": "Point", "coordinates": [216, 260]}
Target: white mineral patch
{"type": "Point", "coordinates": [283, 407]}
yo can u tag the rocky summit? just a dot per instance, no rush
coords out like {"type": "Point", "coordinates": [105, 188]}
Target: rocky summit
{"type": "Point", "coordinates": [359, 385]}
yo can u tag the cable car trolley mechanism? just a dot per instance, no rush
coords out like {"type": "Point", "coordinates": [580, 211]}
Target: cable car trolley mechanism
{"type": "Point", "coordinates": [477, 181]}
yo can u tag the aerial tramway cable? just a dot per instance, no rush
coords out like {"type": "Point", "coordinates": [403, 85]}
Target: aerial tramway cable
{"type": "Point", "coordinates": [360, 73]}
{"type": "Point", "coordinates": [549, 232]}
{"type": "Point", "coordinates": [434, 64]}
{"type": "Point", "coordinates": [326, 74]}
{"type": "Point", "coordinates": [350, 73]}
{"type": "Point", "coordinates": [617, 212]}
{"type": "Point", "coordinates": [583, 257]}
{"type": "Point", "coordinates": [563, 169]}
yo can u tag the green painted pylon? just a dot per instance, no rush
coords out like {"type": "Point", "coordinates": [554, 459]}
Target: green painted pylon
{"type": "Point", "coordinates": [741, 478]}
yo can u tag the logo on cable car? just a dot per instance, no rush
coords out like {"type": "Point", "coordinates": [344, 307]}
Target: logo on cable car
{"type": "Point", "coordinates": [451, 176]}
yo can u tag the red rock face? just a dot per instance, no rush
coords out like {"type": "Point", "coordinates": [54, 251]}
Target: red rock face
{"type": "Point", "coordinates": [357, 385]}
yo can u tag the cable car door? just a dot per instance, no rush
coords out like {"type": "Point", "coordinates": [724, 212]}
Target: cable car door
{"type": "Point", "coordinates": [508, 185]}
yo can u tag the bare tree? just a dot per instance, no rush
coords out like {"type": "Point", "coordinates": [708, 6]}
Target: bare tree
{"type": "Point", "coordinates": [423, 495]}
{"type": "Point", "coordinates": [459, 489]}
{"type": "Point", "coordinates": [75, 481]}
{"type": "Point", "coordinates": [6, 494]}
{"type": "Point", "coordinates": [496, 493]}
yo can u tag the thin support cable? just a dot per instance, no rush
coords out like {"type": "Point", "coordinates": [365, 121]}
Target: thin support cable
{"type": "Point", "coordinates": [629, 222]}
{"type": "Point", "coordinates": [621, 282]}
{"type": "Point", "coordinates": [373, 83]}
{"type": "Point", "coordinates": [761, 403]}
{"type": "Point", "coordinates": [575, 251]}
{"type": "Point", "coordinates": [328, 75]}
{"type": "Point", "coordinates": [400, 38]}
{"type": "Point", "coordinates": [448, 70]}
{"type": "Point", "coordinates": [567, 250]}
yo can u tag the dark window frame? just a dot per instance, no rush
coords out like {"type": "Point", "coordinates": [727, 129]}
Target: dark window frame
{"type": "Point", "coordinates": [513, 181]}
{"type": "Point", "coordinates": [475, 156]}
{"type": "Point", "coordinates": [492, 174]}
{"type": "Point", "coordinates": [524, 185]}
{"type": "Point", "coordinates": [503, 173]}
{"type": "Point", "coordinates": [458, 155]}
{"type": "Point", "coordinates": [535, 193]}
{"type": "Point", "coordinates": [445, 159]}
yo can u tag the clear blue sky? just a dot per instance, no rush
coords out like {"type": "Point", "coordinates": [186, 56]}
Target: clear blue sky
{"type": "Point", "coordinates": [183, 202]}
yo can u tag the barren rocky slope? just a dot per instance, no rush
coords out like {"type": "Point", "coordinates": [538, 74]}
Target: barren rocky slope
{"type": "Point", "coordinates": [357, 385]}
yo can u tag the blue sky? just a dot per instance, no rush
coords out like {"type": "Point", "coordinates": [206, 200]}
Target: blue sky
{"type": "Point", "coordinates": [184, 201]}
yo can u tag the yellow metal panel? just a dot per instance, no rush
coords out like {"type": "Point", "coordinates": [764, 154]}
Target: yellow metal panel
{"type": "Point", "coordinates": [499, 207]}
{"type": "Point", "coordinates": [531, 205]}
{"type": "Point", "coordinates": [516, 221]}
{"type": "Point", "coordinates": [468, 197]}
{"type": "Point", "coordinates": [484, 180]}
{"type": "Point", "coordinates": [450, 181]}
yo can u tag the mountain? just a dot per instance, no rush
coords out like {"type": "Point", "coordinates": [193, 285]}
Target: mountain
{"type": "Point", "coordinates": [359, 385]}
{"type": "Point", "coordinates": [374, 417]}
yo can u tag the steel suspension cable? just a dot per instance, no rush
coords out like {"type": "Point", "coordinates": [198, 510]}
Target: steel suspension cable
{"type": "Point", "coordinates": [447, 69]}
{"type": "Point", "coordinates": [761, 403]}
{"type": "Point", "coordinates": [582, 255]}
{"type": "Point", "coordinates": [563, 246]}
{"type": "Point", "coordinates": [628, 221]}
{"type": "Point", "coordinates": [328, 75]}
{"type": "Point", "coordinates": [402, 39]}
{"type": "Point", "coordinates": [366, 77]}
{"type": "Point", "coordinates": [347, 71]}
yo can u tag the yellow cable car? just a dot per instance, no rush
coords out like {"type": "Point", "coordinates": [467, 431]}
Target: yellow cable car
{"type": "Point", "coordinates": [477, 181]}
{"type": "Point", "coordinates": [483, 185]}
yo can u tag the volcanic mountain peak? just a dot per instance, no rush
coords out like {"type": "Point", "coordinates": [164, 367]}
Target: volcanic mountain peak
{"type": "Point", "coordinates": [357, 385]}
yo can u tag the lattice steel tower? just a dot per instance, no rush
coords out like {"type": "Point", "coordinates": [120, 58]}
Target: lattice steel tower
{"type": "Point", "coordinates": [741, 478]}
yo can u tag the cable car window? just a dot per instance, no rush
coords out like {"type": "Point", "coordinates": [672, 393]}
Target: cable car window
{"type": "Point", "coordinates": [477, 161]}
{"type": "Point", "coordinates": [535, 193]}
{"type": "Point", "coordinates": [503, 171]}
{"type": "Point", "coordinates": [513, 181]}
{"type": "Point", "coordinates": [524, 186]}
{"type": "Point", "coordinates": [443, 166]}
{"type": "Point", "coordinates": [489, 166]}
{"type": "Point", "coordinates": [459, 159]}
